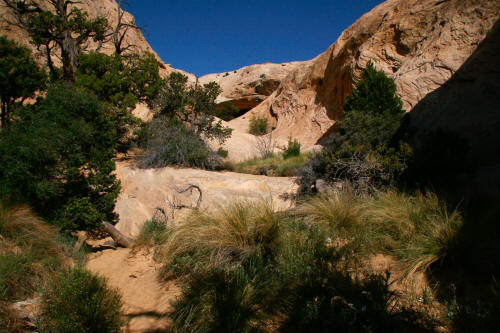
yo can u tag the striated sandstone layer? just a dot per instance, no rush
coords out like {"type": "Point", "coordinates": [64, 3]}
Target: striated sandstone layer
{"type": "Point", "coordinates": [419, 43]}
{"type": "Point", "coordinates": [247, 87]}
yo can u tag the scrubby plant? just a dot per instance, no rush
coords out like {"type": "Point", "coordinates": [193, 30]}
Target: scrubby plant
{"type": "Point", "coordinates": [258, 126]}
{"type": "Point", "coordinates": [76, 300]}
{"type": "Point", "coordinates": [419, 229]}
{"type": "Point", "coordinates": [292, 149]}
{"type": "Point", "coordinates": [222, 152]}
{"type": "Point", "coordinates": [194, 105]}
{"type": "Point", "coordinates": [58, 157]}
{"type": "Point", "coordinates": [171, 142]}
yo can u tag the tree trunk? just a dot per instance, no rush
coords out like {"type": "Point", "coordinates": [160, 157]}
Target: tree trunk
{"type": "Point", "coordinates": [117, 236]}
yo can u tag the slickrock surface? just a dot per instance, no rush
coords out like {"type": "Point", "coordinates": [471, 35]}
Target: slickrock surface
{"type": "Point", "coordinates": [145, 189]}
{"type": "Point", "coordinates": [419, 43]}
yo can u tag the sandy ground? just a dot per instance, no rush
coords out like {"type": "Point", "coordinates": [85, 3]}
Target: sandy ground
{"type": "Point", "coordinates": [146, 299]}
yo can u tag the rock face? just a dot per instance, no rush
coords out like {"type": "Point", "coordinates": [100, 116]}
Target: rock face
{"type": "Point", "coordinates": [247, 87]}
{"type": "Point", "coordinates": [106, 8]}
{"type": "Point", "coordinates": [456, 129]}
{"type": "Point", "coordinates": [419, 43]}
{"type": "Point", "coordinates": [143, 190]}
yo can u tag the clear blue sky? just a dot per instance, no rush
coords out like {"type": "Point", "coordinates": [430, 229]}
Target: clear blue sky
{"type": "Point", "coordinates": [213, 36]}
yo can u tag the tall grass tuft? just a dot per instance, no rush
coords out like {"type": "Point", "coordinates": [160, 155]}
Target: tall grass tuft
{"type": "Point", "coordinates": [419, 229]}
{"type": "Point", "coordinates": [152, 233]}
{"type": "Point", "coordinates": [228, 235]}
{"type": "Point", "coordinates": [28, 252]}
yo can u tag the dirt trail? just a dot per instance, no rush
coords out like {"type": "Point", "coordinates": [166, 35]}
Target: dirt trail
{"type": "Point", "coordinates": [146, 299]}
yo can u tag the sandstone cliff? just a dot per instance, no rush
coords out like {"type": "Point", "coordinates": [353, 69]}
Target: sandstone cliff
{"type": "Point", "coordinates": [247, 87]}
{"type": "Point", "coordinates": [419, 43]}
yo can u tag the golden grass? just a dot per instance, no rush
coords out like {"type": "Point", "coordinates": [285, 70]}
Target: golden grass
{"type": "Point", "coordinates": [229, 233]}
{"type": "Point", "coordinates": [418, 229]}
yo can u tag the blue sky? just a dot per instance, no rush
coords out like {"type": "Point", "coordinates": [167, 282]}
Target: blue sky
{"type": "Point", "coordinates": [213, 36]}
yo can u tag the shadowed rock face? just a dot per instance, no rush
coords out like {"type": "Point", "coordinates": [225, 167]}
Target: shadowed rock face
{"type": "Point", "coordinates": [419, 43]}
{"type": "Point", "coordinates": [456, 133]}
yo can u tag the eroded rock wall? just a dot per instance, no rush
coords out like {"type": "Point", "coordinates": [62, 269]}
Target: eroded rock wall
{"type": "Point", "coordinates": [419, 43]}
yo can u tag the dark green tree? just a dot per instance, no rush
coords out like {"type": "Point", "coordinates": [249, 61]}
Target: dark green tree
{"type": "Point", "coordinates": [62, 27]}
{"type": "Point", "coordinates": [373, 111]}
{"type": "Point", "coordinates": [20, 76]}
{"type": "Point", "coordinates": [58, 157]}
{"type": "Point", "coordinates": [121, 81]}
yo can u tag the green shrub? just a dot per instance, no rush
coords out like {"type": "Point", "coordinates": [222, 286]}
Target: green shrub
{"type": "Point", "coordinates": [79, 301]}
{"type": "Point", "coordinates": [171, 142]}
{"type": "Point", "coordinates": [364, 151]}
{"type": "Point", "coordinates": [222, 152]}
{"type": "Point", "coordinates": [258, 126]}
{"type": "Point", "coordinates": [58, 152]}
{"type": "Point", "coordinates": [227, 235]}
{"type": "Point", "coordinates": [293, 149]}
{"type": "Point", "coordinates": [153, 232]}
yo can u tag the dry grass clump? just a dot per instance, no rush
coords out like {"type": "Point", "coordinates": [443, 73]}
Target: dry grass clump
{"type": "Point", "coordinates": [28, 251]}
{"type": "Point", "coordinates": [418, 228]}
{"type": "Point", "coordinates": [29, 254]}
{"type": "Point", "coordinates": [228, 234]}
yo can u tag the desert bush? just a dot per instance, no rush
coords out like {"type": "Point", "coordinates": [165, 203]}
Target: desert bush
{"type": "Point", "coordinates": [293, 149]}
{"type": "Point", "coordinates": [194, 105]}
{"type": "Point", "coordinates": [364, 150]}
{"type": "Point", "coordinates": [258, 126]}
{"type": "Point", "coordinates": [58, 156]}
{"type": "Point", "coordinates": [265, 145]}
{"type": "Point", "coordinates": [222, 152]}
{"type": "Point", "coordinates": [78, 301]}
{"type": "Point", "coordinates": [418, 229]}
{"type": "Point", "coordinates": [171, 142]}
{"type": "Point", "coordinates": [227, 111]}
